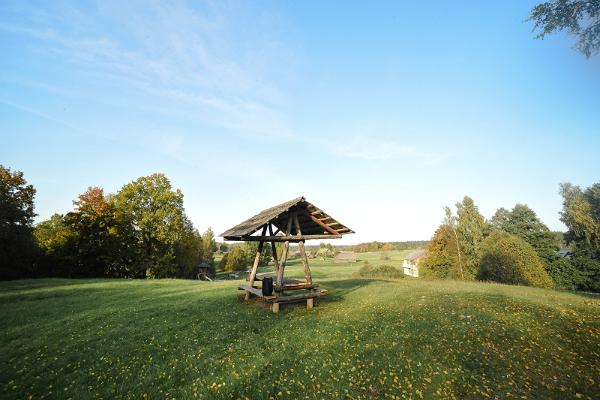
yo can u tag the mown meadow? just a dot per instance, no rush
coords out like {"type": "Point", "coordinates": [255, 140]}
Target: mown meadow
{"type": "Point", "coordinates": [370, 338]}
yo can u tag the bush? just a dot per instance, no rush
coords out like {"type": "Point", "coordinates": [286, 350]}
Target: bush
{"type": "Point", "coordinates": [382, 271]}
{"type": "Point", "coordinates": [509, 259]}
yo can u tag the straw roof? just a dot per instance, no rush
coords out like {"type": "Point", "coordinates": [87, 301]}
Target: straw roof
{"type": "Point", "coordinates": [308, 215]}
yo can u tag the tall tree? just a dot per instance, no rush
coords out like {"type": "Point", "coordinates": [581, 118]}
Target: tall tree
{"type": "Point", "coordinates": [209, 246]}
{"type": "Point", "coordinates": [188, 252]}
{"type": "Point", "coordinates": [581, 215]}
{"type": "Point", "coordinates": [442, 259]}
{"type": "Point", "coordinates": [94, 230]}
{"type": "Point", "coordinates": [56, 242]}
{"type": "Point", "coordinates": [151, 219]}
{"type": "Point", "coordinates": [471, 227]}
{"type": "Point", "coordinates": [17, 246]}
{"type": "Point", "coordinates": [523, 222]}
{"type": "Point", "coordinates": [580, 18]}
{"type": "Point", "coordinates": [450, 223]}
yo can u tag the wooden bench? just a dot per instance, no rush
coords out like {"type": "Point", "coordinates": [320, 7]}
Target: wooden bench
{"type": "Point", "coordinates": [309, 296]}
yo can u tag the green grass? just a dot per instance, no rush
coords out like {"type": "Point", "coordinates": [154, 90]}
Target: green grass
{"type": "Point", "coordinates": [405, 338]}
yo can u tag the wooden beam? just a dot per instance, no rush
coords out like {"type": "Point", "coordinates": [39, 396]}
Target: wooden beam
{"type": "Point", "coordinates": [274, 248]}
{"type": "Point", "coordinates": [325, 226]}
{"type": "Point", "coordinates": [256, 262]}
{"type": "Point", "coordinates": [297, 297]}
{"type": "Point", "coordinates": [255, 291]}
{"type": "Point", "coordinates": [291, 238]}
{"type": "Point", "coordinates": [284, 253]}
{"type": "Point", "coordinates": [307, 274]}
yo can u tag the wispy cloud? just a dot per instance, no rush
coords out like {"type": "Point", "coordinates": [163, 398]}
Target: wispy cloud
{"type": "Point", "coordinates": [198, 59]}
{"type": "Point", "coordinates": [370, 147]}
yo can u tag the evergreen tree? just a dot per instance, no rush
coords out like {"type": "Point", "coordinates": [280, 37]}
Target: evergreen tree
{"type": "Point", "coordinates": [470, 227]}
{"type": "Point", "coordinates": [441, 259]}
{"type": "Point", "coordinates": [209, 246]}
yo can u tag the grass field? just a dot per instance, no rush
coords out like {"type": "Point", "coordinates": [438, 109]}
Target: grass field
{"type": "Point", "coordinates": [406, 338]}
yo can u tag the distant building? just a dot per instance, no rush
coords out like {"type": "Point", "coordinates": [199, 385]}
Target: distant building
{"type": "Point", "coordinates": [345, 256]}
{"type": "Point", "coordinates": [411, 262]}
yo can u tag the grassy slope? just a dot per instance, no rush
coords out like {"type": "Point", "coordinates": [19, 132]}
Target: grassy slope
{"type": "Point", "coordinates": [369, 338]}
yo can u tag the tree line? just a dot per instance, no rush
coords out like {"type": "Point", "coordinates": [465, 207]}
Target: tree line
{"type": "Point", "coordinates": [515, 246]}
{"type": "Point", "coordinates": [387, 246]}
{"type": "Point", "coordinates": [140, 231]}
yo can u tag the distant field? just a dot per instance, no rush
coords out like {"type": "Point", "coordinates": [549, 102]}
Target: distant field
{"type": "Point", "coordinates": [368, 339]}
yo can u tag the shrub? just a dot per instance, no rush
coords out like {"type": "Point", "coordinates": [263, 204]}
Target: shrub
{"type": "Point", "coordinates": [382, 271]}
{"type": "Point", "coordinates": [509, 259]}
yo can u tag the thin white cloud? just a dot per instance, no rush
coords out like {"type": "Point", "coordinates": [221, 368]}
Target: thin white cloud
{"type": "Point", "coordinates": [371, 148]}
{"type": "Point", "coordinates": [374, 149]}
{"type": "Point", "coordinates": [183, 57]}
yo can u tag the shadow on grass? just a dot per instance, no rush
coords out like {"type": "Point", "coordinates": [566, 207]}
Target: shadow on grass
{"type": "Point", "coordinates": [338, 289]}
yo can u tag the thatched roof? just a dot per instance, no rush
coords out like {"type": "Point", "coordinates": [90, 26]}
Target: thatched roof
{"type": "Point", "coordinates": [312, 220]}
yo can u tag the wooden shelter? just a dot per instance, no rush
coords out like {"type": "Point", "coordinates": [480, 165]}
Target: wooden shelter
{"type": "Point", "coordinates": [294, 221]}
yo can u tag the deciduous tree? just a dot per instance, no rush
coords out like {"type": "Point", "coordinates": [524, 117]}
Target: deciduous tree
{"type": "Point", "coordinates": [581, 215]}
{"type": "Point", "coordinates": [580, 18]}
{"type": "Point", "coordinates": [509, 259]}
{"type": "Point", "coordinates": [151, 221]}
{"type": "Point", "coordinates": [17, 247]}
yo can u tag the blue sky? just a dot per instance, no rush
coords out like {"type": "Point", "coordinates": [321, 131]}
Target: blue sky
{"type": "Point", "coordinates": [379, 113]}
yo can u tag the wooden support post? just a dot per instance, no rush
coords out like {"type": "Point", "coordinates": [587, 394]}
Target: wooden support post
{"type": "Point", "coordinates": [274, 250]}
{"type": "Point", "coordinates": [307, 273]}
{"type": "Point", "coordinates": [284, 254]}
{"type": "Point", "coordinates": [256, 262]}
{"type": "Point", "coordinates": [310, 303]}
{"type": "Point", "coordinates": [275, 307]}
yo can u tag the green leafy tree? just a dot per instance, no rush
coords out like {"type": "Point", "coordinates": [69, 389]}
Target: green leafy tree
{"type": "Point", "coordinates": [94, 230]}
{"type": "Point", "coordinates": [441, 260]}
{"type": "Point", "coordinates": [189, 252]}
{"type": "Point", "coordinates": [509, 259]}
{"type": "Point", "coordinates": [236, 260]}
{"type": "Point", "coordinates": [580, 18]}
{"type": "Point", "coordinates": [450, 225]}
{"type": "Point", "coordinates": [251, 248]}
{"type": "Point", "coordinates": [209, 246]}
{"type": "Point", "coordinates": [56, 242]}
{"type": "Point", "coordinates": [471, 228]}
{"type": "Point", "coordinates": [523, 222]}
{"type": "Point", "coordinates": [151, 222]}
{"type": "Point", "coordinates": [581, 215]}
{"type": "Point", "coordinates": [17, 246]}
